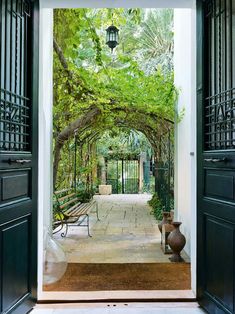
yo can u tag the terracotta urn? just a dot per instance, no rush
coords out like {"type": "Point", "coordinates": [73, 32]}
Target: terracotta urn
{"type": "Point", "coordinates": [176, 241]}
{"type": "Point", "coordinates": [164, 220]}
{"type": "Point", "coordinates": [169, 220]}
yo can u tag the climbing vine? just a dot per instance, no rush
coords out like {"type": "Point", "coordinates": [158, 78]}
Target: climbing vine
{"type": "Point", "coordinates": [96, 91]}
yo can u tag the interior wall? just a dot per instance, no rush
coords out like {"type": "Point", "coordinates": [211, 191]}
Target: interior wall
{"type": "Point", "coordinates": [185, 139]}
{"type": "Point", "coordinates": [45, 132]}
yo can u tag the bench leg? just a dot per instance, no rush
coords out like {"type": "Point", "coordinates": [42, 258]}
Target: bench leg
{"type": "Point", "coordinates": [61, 227]}
{"type": "Point", "coordinates": [88, 226]}
{"type": "Point", "coordinates": [97, 212]}
{"type": "Point", "coordinates": [63, 234]}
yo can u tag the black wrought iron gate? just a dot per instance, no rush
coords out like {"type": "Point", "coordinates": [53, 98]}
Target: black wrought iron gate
{"type": "Point", "coordinates": [216, 155]}
{"type": "Point", "coordinates": [123, 175]}
{"type": "Point", "coordinates": [18, 154]}
{"type": "Point", "coordinates": [164, 170]}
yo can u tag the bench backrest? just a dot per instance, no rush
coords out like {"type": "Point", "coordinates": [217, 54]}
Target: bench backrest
{"type": "Point", "coordinates": [62, 201]}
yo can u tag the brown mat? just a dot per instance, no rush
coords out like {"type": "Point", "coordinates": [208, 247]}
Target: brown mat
{"type": "Point", "coordinates": [98, 277]}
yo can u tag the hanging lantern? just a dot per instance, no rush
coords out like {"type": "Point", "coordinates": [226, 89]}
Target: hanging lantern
{"type": "Point", "coordinates": [112, 36]}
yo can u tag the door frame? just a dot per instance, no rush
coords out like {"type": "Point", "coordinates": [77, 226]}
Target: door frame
{"type": "Point", "coordinates": [45, 140]}
{"type": "Point", "coordinates": [200, 137]}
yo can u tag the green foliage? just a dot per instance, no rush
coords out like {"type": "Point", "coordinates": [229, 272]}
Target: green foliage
{"type": "Point", "coordinates": [85, 196]}
{"type": "Point", "coordinates": [157, 41]}
{"type": "Point", "coordinates": [85, 192]}
{"type": "Point", "coordinates": [123, 143]}
{"type": "Point", "coordinates": [66, 175]}
{"type": "Point", "coordinates": [157, 206]}
{"type": "Point", "coordinates": [99, 79]}
{"type": "Point", "coordinates": [149, 187]}
{"type": "Point", "coordinates": [132, 87]}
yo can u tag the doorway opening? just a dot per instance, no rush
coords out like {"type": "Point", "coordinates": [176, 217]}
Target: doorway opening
{"type": "Point", "coordinates": [132, 163]}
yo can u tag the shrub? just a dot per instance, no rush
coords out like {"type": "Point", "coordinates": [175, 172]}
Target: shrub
{"type": "Point", "coordinates": [157, 206]}
{"type": "Point", "coordinates": [85, 196]}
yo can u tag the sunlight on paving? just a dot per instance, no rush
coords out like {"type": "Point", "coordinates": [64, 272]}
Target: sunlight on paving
{"type": "Point", "coordinates": [126, 233]}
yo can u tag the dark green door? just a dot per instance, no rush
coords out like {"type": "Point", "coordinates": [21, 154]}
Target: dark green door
{"type": "Point", "coordinates": [18, 154]}
{"type": "Point", "coordinates": [216, 155]}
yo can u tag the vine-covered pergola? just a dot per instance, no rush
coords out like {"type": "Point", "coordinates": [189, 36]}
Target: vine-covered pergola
{"type": "Point", "coordinates": [93, 124]}
{"type": "Point", "coordinates": [96, 91]}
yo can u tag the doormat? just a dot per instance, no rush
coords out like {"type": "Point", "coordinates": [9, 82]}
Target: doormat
{"type": "Point", "coordinates": [99, 277]}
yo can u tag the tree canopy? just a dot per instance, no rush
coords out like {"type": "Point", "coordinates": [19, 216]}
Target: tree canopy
{"type": "Point", "coordinates": [96, 91]}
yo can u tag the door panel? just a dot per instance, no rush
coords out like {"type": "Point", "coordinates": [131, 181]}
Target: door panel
{"type": "Point", "coordinates": [20, 180]}
{"type": "Point", "coordinates": [15, 259]}
{"type": "Point", "coordinates": [215, 181]}
{"type": "Point", "coordinates": [18, 154]}
{"type": "Point", "coordinates": [219, 234]}
{"type": "Point", "coordinates": [216, 155]}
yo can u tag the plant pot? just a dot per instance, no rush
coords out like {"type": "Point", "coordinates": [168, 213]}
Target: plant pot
{"type": "Point", "coordinates": [105, 189]}
{"type": "Point", "coordinates": [164, 220]}
{"type": "Point", "coordinates": [176, 241]}
{"type": "Point", "coordinates": [169, 220]}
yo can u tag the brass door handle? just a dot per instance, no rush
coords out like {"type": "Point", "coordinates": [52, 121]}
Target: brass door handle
{"type": "Point", "coordinates": [18, 161]}
{"type": "Point", "coordinates": [216, 159]}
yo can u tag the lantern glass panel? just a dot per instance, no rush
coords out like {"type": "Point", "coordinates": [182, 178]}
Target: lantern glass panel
{"type": "Point", "coordinates": [112, 36]}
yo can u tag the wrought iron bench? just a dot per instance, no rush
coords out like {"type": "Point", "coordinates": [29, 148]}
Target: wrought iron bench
{"type": "Point", "coordinates": [70, 211]}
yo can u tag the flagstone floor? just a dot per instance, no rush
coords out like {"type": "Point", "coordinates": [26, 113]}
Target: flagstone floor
{"type": "Point", "coordinates": [126, 233]}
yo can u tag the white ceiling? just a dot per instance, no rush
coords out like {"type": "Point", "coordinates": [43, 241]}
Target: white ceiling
{"type": "Point", "coordinates": [117, 3]}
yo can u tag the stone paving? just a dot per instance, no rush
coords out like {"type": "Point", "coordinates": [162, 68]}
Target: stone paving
{"type": "Point", "coordinates": [120, 308]}
{"type": "Point", "coordinates": [126, 233]}
{"type": "Point", "coordinates": [166, 310]}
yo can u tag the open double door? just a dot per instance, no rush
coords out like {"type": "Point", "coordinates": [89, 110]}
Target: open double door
{"type": "Point", "coordinates": [19, 144]}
